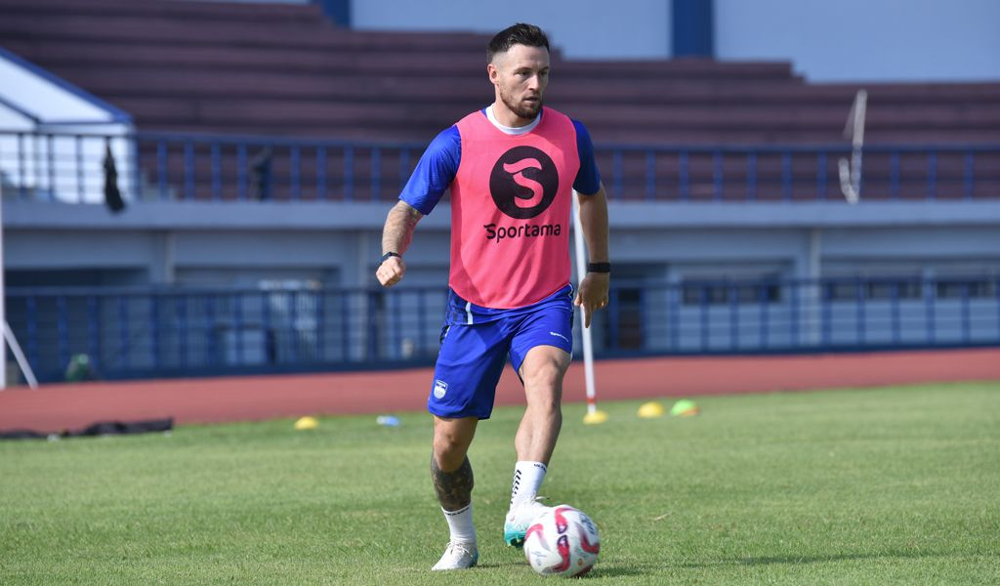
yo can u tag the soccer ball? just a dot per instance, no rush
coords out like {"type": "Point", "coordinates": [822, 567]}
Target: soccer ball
{"type": "Point", "coordinates": [562, 542]}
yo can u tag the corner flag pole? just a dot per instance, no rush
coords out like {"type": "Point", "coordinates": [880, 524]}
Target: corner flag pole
{"type": "Point", "coordinates": [854, 130]}
{"type": "Point", "coordinates": [594, 415]}
{"type": "Point", "coordinates": [6, 334]}
{"type": "Point", "coordinates": [3, 304]}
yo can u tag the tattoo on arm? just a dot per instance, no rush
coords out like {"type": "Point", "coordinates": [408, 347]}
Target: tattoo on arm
{"type": "Point", "coordinates": [399, 227]}
{"type": "Point", "coordinates": [454, 489]}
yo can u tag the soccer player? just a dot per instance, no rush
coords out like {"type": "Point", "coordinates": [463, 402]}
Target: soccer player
{"type": "Point", "coordinates": [512, 168]}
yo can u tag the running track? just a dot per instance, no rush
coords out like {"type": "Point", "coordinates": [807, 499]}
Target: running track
{"type": "Point", "coordinates": [212, 400]}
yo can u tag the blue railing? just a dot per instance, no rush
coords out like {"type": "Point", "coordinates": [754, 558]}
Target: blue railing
{"type": "Point", "coordinates": [170, 167]}
{"type": "Point", "coordinates": [139, 333]}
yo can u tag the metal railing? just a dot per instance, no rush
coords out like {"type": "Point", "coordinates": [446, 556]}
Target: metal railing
{"type": "Point", "coordinates": [130, 333]}
{"type": "Point", "coordinates": [172, 167]}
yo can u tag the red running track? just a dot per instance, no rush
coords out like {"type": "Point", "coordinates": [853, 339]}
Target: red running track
{"type": "Point", "coordinates": [211, 400]}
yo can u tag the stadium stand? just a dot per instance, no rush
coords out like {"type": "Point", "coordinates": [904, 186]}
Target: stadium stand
{"type": "Point", "coordinates": [286, 70]}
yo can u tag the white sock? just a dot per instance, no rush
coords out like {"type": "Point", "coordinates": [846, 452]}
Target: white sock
{"type": "Point", "coordinates": [460, 524]}
{"type": "Point", "coordinates": [528, 477]}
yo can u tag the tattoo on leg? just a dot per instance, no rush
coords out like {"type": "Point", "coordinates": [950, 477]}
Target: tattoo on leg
{"type": "Point", "coordinates": [454, 489]}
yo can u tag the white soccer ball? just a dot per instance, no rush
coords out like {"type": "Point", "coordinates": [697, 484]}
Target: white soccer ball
{"type": "Point", "coordinates": [562, 542]}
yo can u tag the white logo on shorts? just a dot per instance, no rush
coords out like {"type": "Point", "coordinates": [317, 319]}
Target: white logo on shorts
{"type": "Point", "coordinates": [560, 335]}
{"type": "Point", "coordinates": [440, 388]}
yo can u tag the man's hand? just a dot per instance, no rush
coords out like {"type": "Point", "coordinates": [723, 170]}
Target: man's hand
{"type": "Point", "coordinates": [391, 271]}
{"type": "Point", "coordinates": [396, 235]}
{"type": "Point", "coordinates": [592, 295]}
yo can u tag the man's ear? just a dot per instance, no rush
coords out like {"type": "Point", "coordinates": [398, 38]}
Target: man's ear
{"type": "Point", "coordinates": [492, 72]}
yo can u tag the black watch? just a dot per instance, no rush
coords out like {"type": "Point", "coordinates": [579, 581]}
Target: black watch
{"type": "Point", "coordinates": [599, 267]}
{"type": "Point", "coordinates": [387, 255]}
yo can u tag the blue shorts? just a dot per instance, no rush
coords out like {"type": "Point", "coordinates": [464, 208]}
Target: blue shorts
{"type": "Point", "coordinates": [475, 343]}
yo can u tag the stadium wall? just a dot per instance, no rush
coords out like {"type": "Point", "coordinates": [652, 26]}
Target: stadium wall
{"type": "Point", "coordinates": [338, 244]}
{"type": "Point", "coordinates": [865, 40]}
{"type": "Point", "coordinates": [665, 251]}
{"type": "Point", "coordinates": [851, 40]}
{"type": "Point", "coordinates": [584, 29]}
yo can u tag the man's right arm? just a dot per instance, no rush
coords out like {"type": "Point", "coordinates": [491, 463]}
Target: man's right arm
{"type": "Point", "coordinates": [434, 173]}
{"type": "Point", "coordinates": [396, 237]}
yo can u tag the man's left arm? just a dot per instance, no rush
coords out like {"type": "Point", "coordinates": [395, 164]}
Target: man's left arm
{"type": "Point", "coordinates": [593, 292]}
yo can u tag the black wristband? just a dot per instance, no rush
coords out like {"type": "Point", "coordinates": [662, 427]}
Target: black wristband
{"type": "Point", "coordinates": [387, 255]}
{"type": "Point", "coordinates": [599, 267]}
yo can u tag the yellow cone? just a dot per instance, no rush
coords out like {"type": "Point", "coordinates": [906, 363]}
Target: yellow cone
{"type": "Point", "coordinates": [595, 417]}
{"type": "Point", "coordinates": [651, 410]}
{"type": "Point", "coordinates": [306, 423]}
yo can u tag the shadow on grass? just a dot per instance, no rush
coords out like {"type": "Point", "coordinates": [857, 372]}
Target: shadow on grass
{"type": "Point", "coordinates": [599, 571]}
{"type": "Point", "coordinates": [503, 564]}
{"type": "Point", "coordinates": [818, 559]}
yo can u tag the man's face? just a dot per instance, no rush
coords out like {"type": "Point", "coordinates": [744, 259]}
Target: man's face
{"type": "Point", "coordinates": [520, 76]}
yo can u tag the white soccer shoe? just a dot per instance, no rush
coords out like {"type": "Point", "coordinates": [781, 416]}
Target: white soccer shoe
{"type": "Point", "coordinates": [458, 556]}
{"type": "Point", "coordinates": [519, 519]}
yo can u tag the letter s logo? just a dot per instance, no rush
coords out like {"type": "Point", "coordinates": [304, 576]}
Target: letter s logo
{"type": "Point", "coordinates": [537, 191]}
{"type": "Point", "coordinates": [524, 182]}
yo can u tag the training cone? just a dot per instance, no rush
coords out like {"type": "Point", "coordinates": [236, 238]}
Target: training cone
{"type": "Point", "coordinates": [307, 422]}
{"type": "Point", "coordinates": [684, 408]}
{"type": "Point", "coordinates": [651, 410]}
{"type": "Point", "coordinates": [595, 417]}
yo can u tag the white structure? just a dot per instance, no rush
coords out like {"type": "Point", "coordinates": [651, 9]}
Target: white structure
{"type": "Point", "coordinates": [34, 102]}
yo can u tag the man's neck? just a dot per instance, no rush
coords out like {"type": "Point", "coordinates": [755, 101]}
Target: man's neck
{"type": "Point", "coordinates": [495, 114]}
{"type": "Point", "coordinates": [508, 118]}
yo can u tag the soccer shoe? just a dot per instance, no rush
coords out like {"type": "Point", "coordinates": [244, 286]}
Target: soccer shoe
{"type": "Point", "coordinates": [518, 520]}
{"type": "Point", "coordinates": [458, 556]}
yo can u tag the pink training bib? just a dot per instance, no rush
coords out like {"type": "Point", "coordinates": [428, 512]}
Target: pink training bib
{"type": "Point", "coordinates": [510, 211]}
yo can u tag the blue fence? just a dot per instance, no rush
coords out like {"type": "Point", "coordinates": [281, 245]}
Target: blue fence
{"type": "Point", "coordinates": [170, 167]}
{"type": "Point", "coordinates": [139, 333]}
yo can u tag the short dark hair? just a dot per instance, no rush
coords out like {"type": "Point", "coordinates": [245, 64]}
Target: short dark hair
{"type": "Point", "coordinates": [528, 35]}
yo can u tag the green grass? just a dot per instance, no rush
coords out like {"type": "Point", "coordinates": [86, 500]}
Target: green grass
{"type": "Point", "coordinates": [895, 485]}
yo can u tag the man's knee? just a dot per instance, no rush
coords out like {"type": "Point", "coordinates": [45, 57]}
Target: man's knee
{"type": "Point", "coordinates": [448, 454]}
{"type": "Point", "coordinates": [451, 444]}
{"type": "Point", "coordinates": [545, 365]}
{"type": "Point", "coordinates": [547, 375]}
{"type": "Point", "coordinates": [543, 381]}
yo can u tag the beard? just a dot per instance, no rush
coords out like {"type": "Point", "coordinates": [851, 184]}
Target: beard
{"type": "Point", "coordinates": [526, 111]}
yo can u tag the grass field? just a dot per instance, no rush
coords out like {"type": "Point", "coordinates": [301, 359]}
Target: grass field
{"type": "Point", "coordinates": [895, 485]}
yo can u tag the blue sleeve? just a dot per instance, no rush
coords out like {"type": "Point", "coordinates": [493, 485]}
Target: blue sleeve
{"type": "Point", "coordinates": [434, 172]}
{"type": "Point", "coordinates": [588, 179]}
